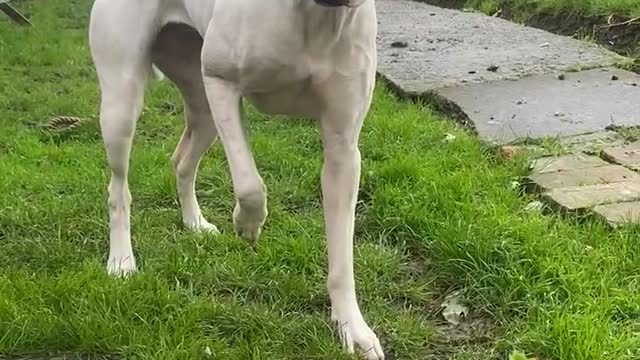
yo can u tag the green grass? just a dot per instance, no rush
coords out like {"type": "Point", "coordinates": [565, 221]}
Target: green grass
{"type": "Point", "coordinates": [584, 8]}
{"type": "Point", "coordinates": [433, 216]}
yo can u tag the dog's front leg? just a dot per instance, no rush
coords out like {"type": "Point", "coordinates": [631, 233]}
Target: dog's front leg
{"type": "Point", "coordinates": [340, 182]}
{"type": "Point", "coordinates": [251, 197]}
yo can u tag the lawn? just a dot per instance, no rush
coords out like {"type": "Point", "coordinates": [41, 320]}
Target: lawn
{"type": "Point", "coordinates": [437, 213]}
{"type": "Point", "coordinates": [570, 8]}
{"type": "Point", "coordinates": [612, 23]}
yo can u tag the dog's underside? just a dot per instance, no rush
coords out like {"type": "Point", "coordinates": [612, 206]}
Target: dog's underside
{"type": "Point", "coordinates": [304, 58]}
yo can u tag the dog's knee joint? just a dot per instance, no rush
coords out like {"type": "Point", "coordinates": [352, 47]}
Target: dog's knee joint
{"type": "Point", "coordinates": [253, 199]}
{"type": "Point", "coordinates": [341, 159]}
{"type": "Point", "coordinates": [119, 203]}
{"type": "Point", "coordinates": [182, 171]}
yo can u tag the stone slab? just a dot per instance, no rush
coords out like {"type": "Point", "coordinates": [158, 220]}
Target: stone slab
{"type": "Point", "coordinates": [584, 197]}
{"type": "Point", "coordinates": [580, 177]}
{"type": "Point", "coordinates": [565, 162]}
{"type": "Point", "coordinates": [628, 155]}
{"type": "Point", "coordinates": [592, 143]}
{"type": "Point", "coordinates": [617, 214]}
{"type": "Point", "coordinates": [543, 106]}
{"type": "Point", "coordinates": [466, 64]}
{"type": "Point", "coordinates": [423, 48]}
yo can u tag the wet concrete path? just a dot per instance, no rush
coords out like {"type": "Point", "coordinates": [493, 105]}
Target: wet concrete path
{"type": "Point", "coordinates": [506, 80]}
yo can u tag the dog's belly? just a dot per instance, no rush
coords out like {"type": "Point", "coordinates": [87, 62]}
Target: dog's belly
{"type": "Point", "coordinates": [275, 82]}
{"type": "Point", "coordinates": [296, 100]}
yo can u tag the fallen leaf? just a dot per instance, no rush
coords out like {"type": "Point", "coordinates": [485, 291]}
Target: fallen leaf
{"type": "Point", "coordinates": [449, 138]}
{"type": "Point", "coordinates": [535, 206]}
{"type": "Point", "coordinates": [453, 308]}
{"type": "Point", "coordinates": [207, 351]}
{"type": "Point", "coordinates": [518, 355]}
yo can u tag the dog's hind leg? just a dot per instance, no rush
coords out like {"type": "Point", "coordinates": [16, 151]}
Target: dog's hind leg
{"type": "Point", "coordinates": [120, 107]}
{"type": "Point", "coordinates": [177, 53]}
{"type": "Point", "coordinates": [118, 49]}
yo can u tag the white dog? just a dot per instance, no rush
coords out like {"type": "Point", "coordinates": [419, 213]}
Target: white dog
{"type": "Point", "coordinates": [303, 58]}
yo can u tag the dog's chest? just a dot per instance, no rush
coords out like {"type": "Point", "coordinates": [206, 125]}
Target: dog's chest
{"type": "Point", "coordinates": [265, 48]}
{"type": "Point", "coordinates": [283, 54]}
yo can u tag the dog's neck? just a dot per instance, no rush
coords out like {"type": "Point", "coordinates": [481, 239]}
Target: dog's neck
{"type": "Point", "coordinates": [336, 22]}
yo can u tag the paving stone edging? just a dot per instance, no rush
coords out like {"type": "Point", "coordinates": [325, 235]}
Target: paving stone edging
{"type": "Point", "coordinates": [607, 185]}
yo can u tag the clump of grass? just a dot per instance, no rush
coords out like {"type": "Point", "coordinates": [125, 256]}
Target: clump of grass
{"type": "Point", "coordinates": [587, 8]}
{"type": "Point", "coordinates": [630, 133]}
{"type": "Point", "coordinates": [611, 23]}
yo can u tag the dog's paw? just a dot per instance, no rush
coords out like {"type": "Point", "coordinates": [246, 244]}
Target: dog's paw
{"type": "Point", "coordinates": [354, 332]}
{"type": "Point", "coordinates": [250, 232]}
{"type": "Point", "coordinates": [248, 223]}
{"type": "Point", "coordinates": [201, 225]}
{"type": "Point", "coordinates": [121, 266]}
